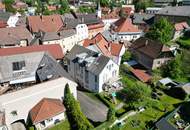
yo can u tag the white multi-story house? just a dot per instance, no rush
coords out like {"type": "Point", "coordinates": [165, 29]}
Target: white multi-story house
{"type": "Point", "coordinates": [90, 69]}
{"type": "Point", "coordinates": [124, 30]}
{"type": "Point", "coordinates": [13, 20]}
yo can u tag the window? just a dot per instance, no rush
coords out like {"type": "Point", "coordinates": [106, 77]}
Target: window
{"type": "Point", "coordinates": [49, 120]}
{"type": "Point", "coordinates": [95, 78]}
{"type": "Point", "coordinates": [18, 65]}
{"type": "Point", "coordinates": [158, 62]}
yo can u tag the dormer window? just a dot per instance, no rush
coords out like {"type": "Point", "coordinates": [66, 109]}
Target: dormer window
{"type": "Point", "coordinates": [18, 65]}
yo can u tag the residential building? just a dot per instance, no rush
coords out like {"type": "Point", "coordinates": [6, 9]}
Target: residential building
{"type": "Point", "coordinates": [142, 20]}
{"type": "Point", "coordinates": [53, 49]}
{"type": "Point", "coordinates": [164, 3]}
{"type": "Point", "coordinates": [151, 54]}
{"type": "Point", "coordinates": [20, 5]}
{"type": "Point", "coordinates": [152, 10]}
{"type": "Point", "coordinates": [65, 38]}
{"type": "Point", "coordinates": [17, 104]}
{"type": "Point", "coordinates": [90, 69]}
{"type": "Point", "coordinates": [49, 23]}
{"type": "Point", "coordinates": [14, 36]}
{"type": "Point", "coordinates": [4, 16]}
{"type": "Point", "coordinates": [28, 68]}
{"type": "Point", "coordinates": [47, 112]}
{"type": "Point", "coordinates": [174, 14]}
{"type": "Point", "coordinates": [124, 30]}
{"type": "Point", "coordinates": [2, 7]}
{"type": "Point", "coordinates": [100, 45]}
{"type": "Point", "coordinates": [180, 29]}
{"type": "Point", "coordinates": [13, 20]}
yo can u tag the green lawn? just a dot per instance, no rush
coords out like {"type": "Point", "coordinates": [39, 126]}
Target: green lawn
{"type": "Point", "coordinates": [61, 126]}
{"type": "Point", "coordinates": [151, 113]}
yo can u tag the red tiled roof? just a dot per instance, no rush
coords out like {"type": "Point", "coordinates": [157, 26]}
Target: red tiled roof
{"type": "Point", "coordinates": [95, 26]}
{"type": "Point", "coordinates": [45, 109]}
{"type": "Point", "coordinates": [50, 23]}
{"type": "Point", "coordinates": [104, 45]}
{"type": "Point", "coordinates": [181, 26]}
{"type": "Point", "coordinates": [3, 24]}
{"type": "Point", "coordinates": [141, 75]}
{"type": "Point", "coordinates": [125, 25]}
{"type": "Point", "coordinates": [54, 49]}
{"type": "Point", "coordinates": [116, 49]}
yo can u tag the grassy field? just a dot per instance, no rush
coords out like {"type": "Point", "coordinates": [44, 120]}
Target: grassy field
{"type": "Point", "coordinates": [61, 126]}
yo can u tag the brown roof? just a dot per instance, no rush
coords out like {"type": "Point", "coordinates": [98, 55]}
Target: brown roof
{"type": "Point", "coordinates": [100, 41]}
{"type": "Point", "coordinates": [54, 49]}
{"type": "Point", "coordinates": [46, 109]}
{"type": "Point", "coordinates": [50, 23]}
{"type": "Point", "coordinates": [181, 26]}
{"type": "Point", "coordinates": [96, 26]}
{"type": "Point", "coordinates": [13, 35]}
{"type": "Point", "coordinates": [141, 75]}
{"type": "Point", "coordinates": [125, 25]}
{"type": "Point", "coordinates": [149, 47]}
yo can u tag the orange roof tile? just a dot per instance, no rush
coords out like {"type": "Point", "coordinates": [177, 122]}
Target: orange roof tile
{"type": "Point", "coordinates": [45, 109]}
{"type": "Point", "coordinates": [141, 75]}
{"type": "Point", "coordinates": [125, 25]}
{"type": "Point", "coordinates": [107, 48]}
{"type": "Point", "coordinates": [50, 23]}
{"type": "Point", "coordinates": [95, 26]}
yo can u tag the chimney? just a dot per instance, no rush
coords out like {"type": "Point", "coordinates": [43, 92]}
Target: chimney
{"type": "Point", "coordinates": [41, 17]}
{"type": "Point", "coordinates": [109, 47]}
{"type": "Point", "coordinates": [82, 20]}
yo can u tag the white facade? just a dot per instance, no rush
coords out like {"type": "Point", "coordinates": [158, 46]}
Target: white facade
{"type": "Point", "coordinates": [126, 36]}
{"type": "Point", "coordinates": [152, 10]}
{"type": "Point", "coordinates": [108, 23]}
{"type": "Point", "coordinates": [91, 81]}
{"type": "Point", "coordinates": [82, 32]}
{"type": "Point", "coordinates": [50, 122]}
{"type": "Point", "coordinates": [13, 20]}
{"type": "Point", "coordinates": [18, 104]}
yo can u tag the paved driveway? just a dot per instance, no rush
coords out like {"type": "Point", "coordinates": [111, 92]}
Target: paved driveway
{"type": "Point", "coordinates": [93, 109]}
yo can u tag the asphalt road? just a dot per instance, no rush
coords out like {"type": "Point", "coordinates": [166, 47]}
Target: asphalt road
{"type": "Point", "coordinates": [93, 109]}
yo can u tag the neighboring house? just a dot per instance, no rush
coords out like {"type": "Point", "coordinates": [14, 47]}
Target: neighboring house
{"type": "Point", "coordinates": [16, 105]}
{"type": "Point", "coordinates": [152, 10]}
{"type": "Point", "coordinates": [14, 36]}
{"type": "Point", "coordinates": [142, 20]}
{"type": "Point", "coordinates": [77, 24]}
{"type": "Point", "coordinates": [94, 23]}
{"type": "Point", "coordinates": [65, 38]}
{"type": "Point", "coordinates": [2, 7]}
{"type": "Point", "coordinates": [53, 49]}
{"type": "Point", "coordinates": [48, 23]}
{"type": "Point", "coordinates": [111, 16]}
{"type": "Point", "coordinates": [13, 20]}
{"type": "Point", "coordinates": [164, 3]}
{"type": "Point", "coordinates": [4, 16]}
{"type": "Point", "coordinates": [47, 113]}
{"type": "Point", "coordinates": [90, 69]}
{"type": "Point", "coordinates": [124, 30]}
{"type": "Point", "coordinates": [151, 54]}
{"type": "Point", "coordinates": [180, 28]}
{"type": "Point", "coordinates": [174, 14]}
{"type": "Point", "coordinates": [101, 45]}
{"type": "Point", "coordinates": [28, 68]}
{"type": "Point", "coordinates": [20, 5]}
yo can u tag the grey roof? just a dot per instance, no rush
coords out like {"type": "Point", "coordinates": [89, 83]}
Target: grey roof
{"type": "Point", "coordinates": [163, 1]}
{"type": "Point", "coordinates": [143, 18]}
{"type": "Point", "coordinates": [71, 23]}
{"type": "Point", "coordinates": [163, 124]}
{"type": "Point", "coordinates": [48, 36]}
{"type": "Point", "coordinates": [89, 18]}
{"type": "Point", "coordinates": [5, 16]}
{"type": "Point", "coordinates": [107, 34]}
{"type": "Point", "coordinates": [37, 65]}
{"type": "Point", "coordinates": [175, 11]}
{"type": "Point", "coordinates": [98, 64]}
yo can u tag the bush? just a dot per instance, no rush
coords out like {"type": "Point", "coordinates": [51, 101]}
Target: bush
{"type": "Point", "coordinates": [102, 98]}
{"type": "Point", "coordinates": [111, 114]}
